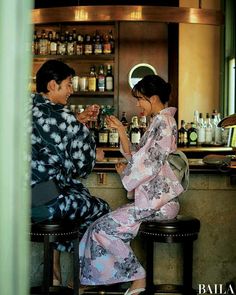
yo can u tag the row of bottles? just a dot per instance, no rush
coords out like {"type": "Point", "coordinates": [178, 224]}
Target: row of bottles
{"type": "Point", "coordinates": [106, 137]}
{"type": "Point", "coordinates": [72, 43]}
{"type": "Point", "coordinates": [202, 132]}
{"type": "Point", "coordinates": [99, 80]}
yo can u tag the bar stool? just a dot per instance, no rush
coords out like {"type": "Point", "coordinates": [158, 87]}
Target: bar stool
{"type": "Point", "coordinates": [182, 229]}
{"type": "Point", "coordinates": [48, 232]}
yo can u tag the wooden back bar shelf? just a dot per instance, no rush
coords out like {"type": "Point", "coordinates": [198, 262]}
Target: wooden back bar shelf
{"type": "Point", "coordinates": [106, 13]}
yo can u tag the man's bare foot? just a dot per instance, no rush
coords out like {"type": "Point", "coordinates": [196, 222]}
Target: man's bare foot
{"type": "Point", "coordinates": [56, 268]}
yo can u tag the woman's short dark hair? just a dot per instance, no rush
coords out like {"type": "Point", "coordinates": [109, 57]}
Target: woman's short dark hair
{"type": "Point", "coordinates": [52, 70]}
{"type": "Point", "coordinates": [152, 85]}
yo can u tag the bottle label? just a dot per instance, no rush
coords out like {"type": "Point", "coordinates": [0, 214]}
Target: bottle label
{"type": "Point", "coordinates": [103, 137]}
{"type": "Point", "coordinates": [98, 48]}
{"type": "Point", "coordinates": [109, 83]}
{"type": "Point", "coordinates": [106, 48]}
{"type": "Point", "coordinates": [135, 138]}
{"type": "Point", "coordinates": [92, 84]}
{"type": "Point", "coordinates": [208, 135]}
{"type": "Point", "coordinates": [88, 49]}
{"type": "Point", "coordinates": [201, 135]}
{"type": "Point", "coordinates": [101, 83]}
{"type": "Point", "coordinates": [113, 137]}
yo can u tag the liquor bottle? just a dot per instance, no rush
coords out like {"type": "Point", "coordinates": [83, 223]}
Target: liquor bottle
{"type": "Point", "coordinates": [53, 44]}
{"type": "Point", "coordinates": [93, 128]}
{"type": "Point", "coordinates": [62, 45]}
{"type": "Point", "coordinates": [103, 133]}
{"type": "Point", "coordinates": [101, 79]}
{"type": "Point", "coordinates": [112, 41]}
{"type": "Point", "coordinates": [109, 79]}
{"type": "Point", "coordinates": [43, 44]}
{"type": "Point", "coordinates": [80, 45]}
{"type": "Point", "coordinates": [97, 44]}
{"type": "Point", "coordinates": [192, 135]}
{"type": "Point", "coordinates": [135, 133]}
{"type": "Point", "coordinates": [142, 123]}
{"type": "Point", "coordinates": [124, 120]}
{"type": "Point", "coordinates": [201, 131]}
{"type": "Point", "coordinates": [113, 138]}
{"type": "Point", "coordinates": [182, 135]}
{"type": "Point", "coordinates": [218, 130]}
{"type": "Point", "coordinates": [70, 45]}
{"type": "Point", "coordinates": [209, 130]}
{"type": "Point", "coordinates": [106, 45]}
{"type": "Point", "coordinates": [35, 44]}
{"type": "Point", "coordinates": [92, 80]}
{"type": "Point", "coordinates": [88, 46]}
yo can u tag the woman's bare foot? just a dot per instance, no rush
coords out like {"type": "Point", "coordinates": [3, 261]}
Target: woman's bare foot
{"type": "Point", "coordinates": [138, 284]}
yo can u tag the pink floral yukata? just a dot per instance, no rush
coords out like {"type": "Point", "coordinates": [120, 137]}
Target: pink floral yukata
{"type": "Point", "coordinates": [105, 252]}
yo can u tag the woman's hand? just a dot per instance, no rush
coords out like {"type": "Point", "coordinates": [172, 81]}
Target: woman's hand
{"type": "Point", "coordinates": [89, 114]}
{"type": "Point", "coordinates": [120, 167]}
{"type": "Point", "coordinates": [113, 122]}
{"type": "Point", "coordinates": [99, 154]}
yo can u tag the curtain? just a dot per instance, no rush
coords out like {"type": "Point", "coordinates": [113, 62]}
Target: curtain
{"type": "Point", "coordinates": [227, 99]}
{"type": "Point", "coordinates": [15, 64]}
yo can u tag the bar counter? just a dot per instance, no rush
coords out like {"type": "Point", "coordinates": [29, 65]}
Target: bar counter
{"type": "Point", "coordinates": [194, 155]}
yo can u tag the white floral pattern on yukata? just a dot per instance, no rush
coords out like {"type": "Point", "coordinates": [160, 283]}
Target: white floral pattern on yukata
{"type": "Point", "coordinates": [64, 150]}
{"type": "Point", "coordinates": [105, 252]}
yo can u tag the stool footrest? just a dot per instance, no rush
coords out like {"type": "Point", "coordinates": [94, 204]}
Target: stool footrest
{"type": "Point", "coordinates": [53, 290]}
{"type": "Point", "coordinates": [172, 288]}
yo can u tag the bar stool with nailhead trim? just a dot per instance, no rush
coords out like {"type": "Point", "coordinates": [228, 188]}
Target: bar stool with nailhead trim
{"type": "Point", "coordinates": [182, 229]}
{"type": "Point", "coordinates": [48, 232]}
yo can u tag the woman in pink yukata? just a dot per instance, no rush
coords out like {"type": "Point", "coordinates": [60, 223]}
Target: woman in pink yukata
{"type": "Point", "coordinates": [105, 252]}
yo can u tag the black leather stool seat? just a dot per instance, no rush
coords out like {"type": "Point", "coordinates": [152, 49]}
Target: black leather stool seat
{"type": "Point", "coordinates": [182, 229]}
{"type": "Point", "coordinates": [48, 232]}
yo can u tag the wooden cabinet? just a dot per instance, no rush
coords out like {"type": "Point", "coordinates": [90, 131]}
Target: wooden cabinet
{"type": "Point", "coordinates": [82, 63]}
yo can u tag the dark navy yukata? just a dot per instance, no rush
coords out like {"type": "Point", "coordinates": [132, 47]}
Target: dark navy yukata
{"type": "Point", "coordinates": [64, 150]}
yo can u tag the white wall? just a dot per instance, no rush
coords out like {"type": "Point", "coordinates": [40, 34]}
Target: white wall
{"type": "Point", "coordinates": [199, 65]}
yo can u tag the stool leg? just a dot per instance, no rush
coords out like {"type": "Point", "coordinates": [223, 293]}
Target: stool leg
{"type": "Point", "coordinates": [187, 267]}
{"type": "Point", "coordinates": [76, 266]}
{"type": "Point", "coordinates": [47, 265]}
{"type": "Point", "coordinates": [149, 267]}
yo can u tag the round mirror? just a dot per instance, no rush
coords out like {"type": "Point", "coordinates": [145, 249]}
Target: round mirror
{"type": "Point", "coordinates": [139, 71]}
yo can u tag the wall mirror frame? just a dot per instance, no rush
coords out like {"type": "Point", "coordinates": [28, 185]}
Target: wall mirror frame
{"type": "Point", "coordinates": [138, 71]}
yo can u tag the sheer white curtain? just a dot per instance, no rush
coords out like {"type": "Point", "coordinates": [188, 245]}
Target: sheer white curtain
{"type": "Point", "coordinates": [15, 64]}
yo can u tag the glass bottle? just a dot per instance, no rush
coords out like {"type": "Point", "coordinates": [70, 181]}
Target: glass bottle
{"type": "Point", "coordinates": [103, 133]}
{"type": "Point", "coordinates": [43, 44]}
{"type": "Point", "coordinates": [192, 135]}
{"type": "Point", "coordinates": [101, 79]}
{"type": "Point", "coordinates": [92, 80]}
{"type": "Point", "coordinates": [142, 123]}
{"type": "Point", "coordinates": [53, 44]}
{"type": "Point", "coordinates": [35, 44]}
{"type": "Point", "coordinates": [182, 135]}
{"type": "Point", "coordinates": [112, 41]}
{"type": "Point", "coordinates": [209, 130]}
{"type": "Point", "coordinates": [106, 45]}
{"type": "Point", "coordinates": [109, 79]}
{"type": "Point", "coordinates": [70, 45]}
{"type": "Point", "coordinates": [80, 45]}
{"type": "Point", "coordinates": [62, 45]}
{"type": "Point", "coordinates": [135, 133]}
{"type": "Point", "coordinates": [97, 44]}
{"type": "Point", "coordinates": [218, 130]}
{"type": "Point", "coordinates": [88, 46]}
{"type": "Point", "coordinates": [201, 131]}
{"type": "Point", "coordinates": [124, 120]}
